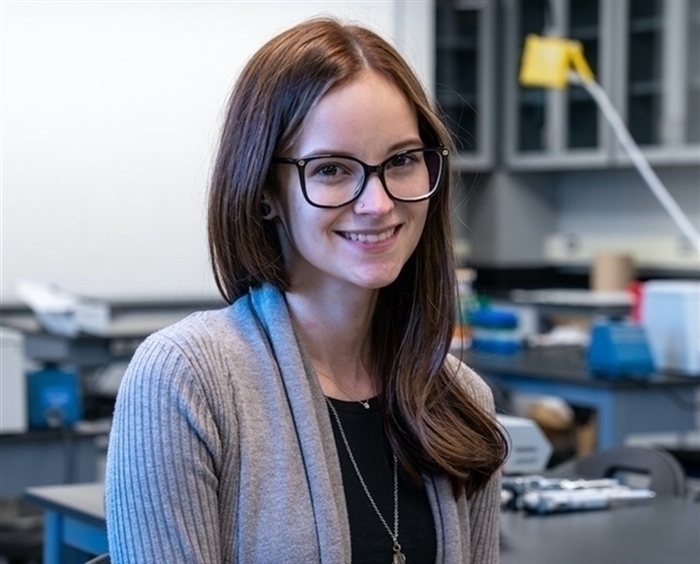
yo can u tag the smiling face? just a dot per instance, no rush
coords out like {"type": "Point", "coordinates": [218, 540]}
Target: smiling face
{"type": "Point", "coordinates": [366, 243]}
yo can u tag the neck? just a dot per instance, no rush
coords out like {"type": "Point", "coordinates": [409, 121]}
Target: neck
{"type": "Point", "coordinates": [335, 334]}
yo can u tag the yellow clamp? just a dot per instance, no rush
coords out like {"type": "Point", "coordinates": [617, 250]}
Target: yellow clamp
{"type": "Point", "coordinates": [547, 61]}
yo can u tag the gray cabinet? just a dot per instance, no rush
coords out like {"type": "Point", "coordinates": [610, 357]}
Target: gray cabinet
{"type": "Point", "coordinates": [464, 76]}
{"type": "Point", "coordinates": [539, 153]}
{"type": "Point", "coordinates": [659, 92]}
{"type": "Point", "coordinates": [645, 55]}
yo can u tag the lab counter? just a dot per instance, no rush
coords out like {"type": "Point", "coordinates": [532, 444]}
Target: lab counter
{"type": "Point", "coordinates": [48, 456]}
{"type": "Point", "coordinates": [624, 406]}
{"type": "Point", "coordinates": [664, 529]}
{"type": "Point", "coordinates": [659, 530]}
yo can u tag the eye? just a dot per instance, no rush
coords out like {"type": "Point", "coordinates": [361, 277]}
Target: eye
{"type": "Point", "coordinates": [404, 160]}
{"type": "Point", "coordinates": [330, 171]}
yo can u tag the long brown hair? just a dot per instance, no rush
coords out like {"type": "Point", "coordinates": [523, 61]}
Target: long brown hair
{"type": "Point", "coordinates": [432, 422]}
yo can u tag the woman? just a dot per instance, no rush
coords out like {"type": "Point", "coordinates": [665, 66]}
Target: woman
{"type": "Point", "coordinates": [318, 418]}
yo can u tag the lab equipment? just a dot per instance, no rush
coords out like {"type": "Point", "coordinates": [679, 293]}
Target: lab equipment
{"type": "Point", "coordinates": [64, 313]}
{"type": "Point", "coordinates": [54, 398]}
{"type": "Point", "coordinates": [494, 330]}
{"type": "Point", "coordinates": [619, 349]}
{"type": "Point", "coordinates": [541, 495]}
{"type": "Point", "coordinates": [671, 316]}
{"type": "Point", "coordinates": [529, 449]}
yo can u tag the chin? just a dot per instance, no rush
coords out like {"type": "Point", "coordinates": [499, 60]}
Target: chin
{"type": "Point", "coordinates": [377, 282]}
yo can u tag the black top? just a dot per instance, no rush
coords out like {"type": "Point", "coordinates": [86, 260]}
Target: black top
{"type": "Point", "coordinates": [370, 541]}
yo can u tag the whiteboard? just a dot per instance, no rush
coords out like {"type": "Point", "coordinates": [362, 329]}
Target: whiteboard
{"type": "Point", "coordinates": [110, 117]}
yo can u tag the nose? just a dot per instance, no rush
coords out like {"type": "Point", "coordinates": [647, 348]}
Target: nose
{"type": "Point", "coordinates": [374, 199]}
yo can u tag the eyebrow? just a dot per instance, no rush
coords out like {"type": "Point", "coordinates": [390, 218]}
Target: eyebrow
{"type": "Point", "coordinates": [405, 145]}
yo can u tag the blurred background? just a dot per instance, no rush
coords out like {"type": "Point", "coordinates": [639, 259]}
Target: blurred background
{"type": "Point", "coordinates": [111, 113]}
{"type": "Point", "coordinates": [579, 295]}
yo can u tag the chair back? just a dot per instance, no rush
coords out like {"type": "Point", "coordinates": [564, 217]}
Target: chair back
{"type": "Point", "coordinates": [665, 474]}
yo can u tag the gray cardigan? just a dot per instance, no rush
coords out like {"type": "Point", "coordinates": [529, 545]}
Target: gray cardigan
{"type": "Point", "coordinates": [222, 451]}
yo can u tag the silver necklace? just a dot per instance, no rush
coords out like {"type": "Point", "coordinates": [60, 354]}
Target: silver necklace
{"type": "Point", "coordinates": [363, 403]}
{"type": "Point", "coordinates": [399, 557]}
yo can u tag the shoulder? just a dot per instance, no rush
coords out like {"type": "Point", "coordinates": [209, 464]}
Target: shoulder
{"type": "Point", "coordinates": [170, 358]}
{"type": "Point", "coordinates": [205, 336]}
{"type": "Point", "coordinates": [198, 351]}
{"type": "Point", "coordinates": [192, 339]}
{"type": "Point", "coordinates": [475, 385]}
{"type": "Point", "coordinates": [214, 348]}
{"type": "Point", "coordinates": [197, 329]}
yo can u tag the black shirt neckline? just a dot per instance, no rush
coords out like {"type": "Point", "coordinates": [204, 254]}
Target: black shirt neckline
{"type": "Point", "coordinates": [355, 406]}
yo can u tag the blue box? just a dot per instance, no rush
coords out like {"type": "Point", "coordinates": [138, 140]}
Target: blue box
{"type": "Point", "coordinates": [619, 349]}
{"type": "Point", "coordinates": [54, 398]}
{"type": "Point", "coordinates": [494, 331]}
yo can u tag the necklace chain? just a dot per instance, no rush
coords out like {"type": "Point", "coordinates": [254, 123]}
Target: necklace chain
{"type": "Point", "coordinates": [398, 556]}
{"type": "Point", "coordinates": [363, 403]}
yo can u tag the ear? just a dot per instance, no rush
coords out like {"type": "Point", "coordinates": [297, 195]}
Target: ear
{"type": "Point", "coordinates": [267, 210]}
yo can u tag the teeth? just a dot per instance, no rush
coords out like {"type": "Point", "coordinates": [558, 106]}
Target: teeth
{"type": "Point", "coordinates": [369, 237]}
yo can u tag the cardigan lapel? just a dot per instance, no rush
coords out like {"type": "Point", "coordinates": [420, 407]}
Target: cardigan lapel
{"type": "Point", "coordinates": [451, 521]}
{"type": "Point", "coordinates": [312, 424]}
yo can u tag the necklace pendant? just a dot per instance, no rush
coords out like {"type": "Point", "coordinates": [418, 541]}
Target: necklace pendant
{"type": "Point", "coordinates": [399, 557]}
{"type": "Point", "coordinates": [365, 403]}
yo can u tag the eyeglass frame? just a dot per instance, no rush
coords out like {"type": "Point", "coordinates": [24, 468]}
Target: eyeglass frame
{"type": "Point", "coordinates": [377, 169]}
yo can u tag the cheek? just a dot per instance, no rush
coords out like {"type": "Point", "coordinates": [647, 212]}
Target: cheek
{"type": "Point", "coordinates": [302, 225]}
{"type": "Point", "coordinates": [420, 217]}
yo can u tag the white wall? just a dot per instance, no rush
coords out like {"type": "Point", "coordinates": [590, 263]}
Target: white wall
{"type": "Point", "coordinates": [618, 202]}
{"type": "Point", "coordinates": [615, 211]}
{"type": "Point", "coordinates": [110, 114]}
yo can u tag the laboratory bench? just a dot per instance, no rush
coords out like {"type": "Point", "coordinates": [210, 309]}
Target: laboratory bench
{"type": "Point", "coordinates": [49, 456]}
{"type": "Point", "coordinates": [625, 405]}
{"type": "Point", "coordinates": [663, 529]}
{"type": "Point", "coordinates": [41, 457]}
{"type": "Point", "coordinates": [74, 521]}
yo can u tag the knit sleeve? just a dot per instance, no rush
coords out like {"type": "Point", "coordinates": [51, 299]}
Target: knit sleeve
{"type": "Point", "coordinates": [163, 462]}
{"type": "Point", "coordinates": [484, 506]}
{"type": "Point", "coordinates": [484, 516]}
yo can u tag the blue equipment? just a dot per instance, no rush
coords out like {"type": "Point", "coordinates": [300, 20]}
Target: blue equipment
{"type": "Point", "coordinates": [54, 398]}
{"type": "Point", "coordinates": [619, 349]}
{"type": "Point", "coordinates": [494, 331]}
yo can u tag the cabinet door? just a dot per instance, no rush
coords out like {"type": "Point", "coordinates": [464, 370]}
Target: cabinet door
{"type": "Point", "coordinates": [660, 89]}
{"type": "Point", "coordinates": [692, 78]}
{"type": "Point", "coordinates": [646, 56]}
{"type": "Point", "coordinates": [548, 128]}
{"type": "Point", "coordinates": [464, 75]}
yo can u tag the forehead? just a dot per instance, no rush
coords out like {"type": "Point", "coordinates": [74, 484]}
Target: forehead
{"type": "Point", "coordinates": [366, 116]}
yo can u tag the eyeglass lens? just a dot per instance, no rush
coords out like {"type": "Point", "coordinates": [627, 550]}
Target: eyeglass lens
{"type": "Point", "coordinates": [410, 175]}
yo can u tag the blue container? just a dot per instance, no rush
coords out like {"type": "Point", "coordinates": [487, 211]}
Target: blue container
{"type": "Point", "coordinates": [494, 331]}
{"type": "Point", "coordinates": [54, 398]}
{"type": "Point", "coordinates": [619, 349]}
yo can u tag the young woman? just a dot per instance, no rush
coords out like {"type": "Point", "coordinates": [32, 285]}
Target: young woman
{"type": "Point", "coordinates": [319, 417]}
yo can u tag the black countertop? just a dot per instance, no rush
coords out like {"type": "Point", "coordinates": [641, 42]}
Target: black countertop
{"type": "Point", "coordinates": [564, 364]}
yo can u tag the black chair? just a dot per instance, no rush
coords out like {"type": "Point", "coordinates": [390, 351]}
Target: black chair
{"type": "Point", "coordinates": [101, 559]}
{"type": "Point", "coordinates": [664, 473]}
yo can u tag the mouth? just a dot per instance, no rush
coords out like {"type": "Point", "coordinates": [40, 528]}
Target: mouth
{"type": "Point", "coordinates": [368, 237]}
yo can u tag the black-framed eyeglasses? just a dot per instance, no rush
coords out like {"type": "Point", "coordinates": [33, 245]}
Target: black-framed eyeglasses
{"type": "Point", "coordinates": [332, 181]}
